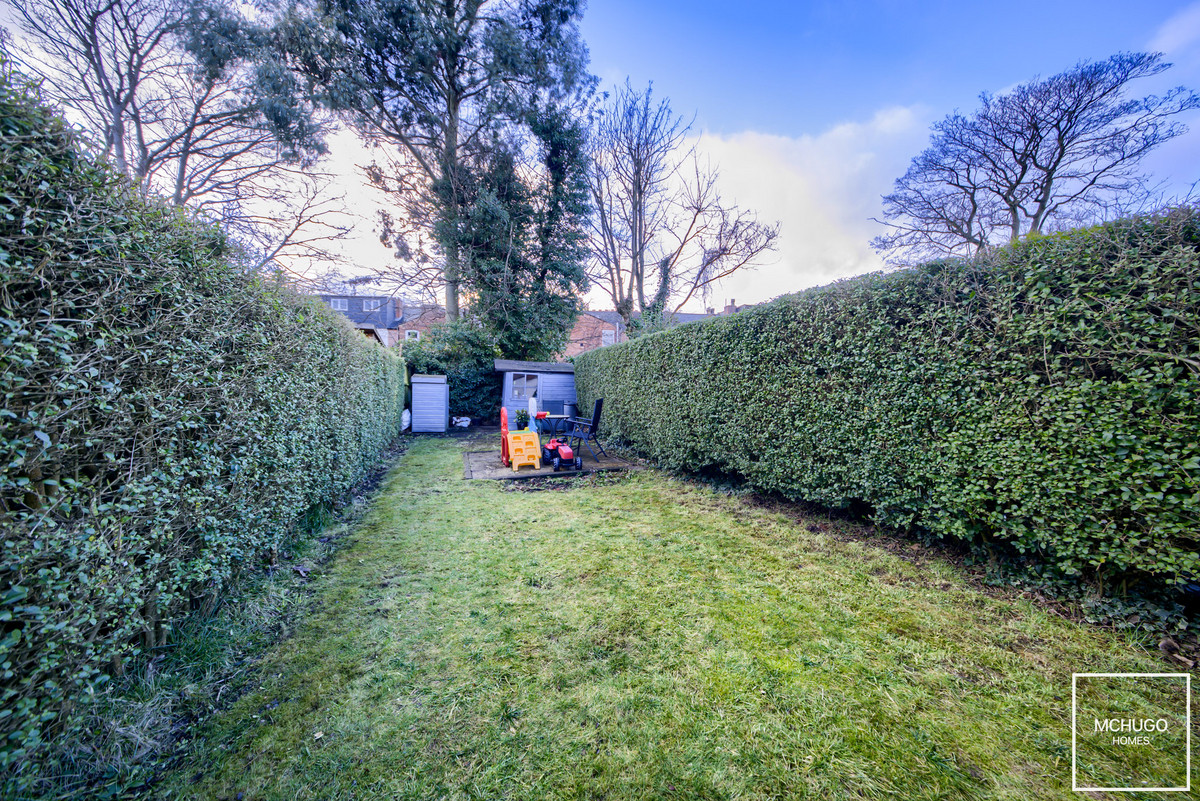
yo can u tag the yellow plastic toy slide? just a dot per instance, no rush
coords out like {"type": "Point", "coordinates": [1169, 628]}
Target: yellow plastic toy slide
{"type": "Point", "coordinates": [524, 448]}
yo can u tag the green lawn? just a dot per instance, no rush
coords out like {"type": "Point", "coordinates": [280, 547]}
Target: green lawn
{"type": "Point", "coordinates": [639, 637]}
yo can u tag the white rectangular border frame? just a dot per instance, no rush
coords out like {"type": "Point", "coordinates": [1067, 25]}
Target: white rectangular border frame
{"type": "Point", "coordinates": [1187, 677]}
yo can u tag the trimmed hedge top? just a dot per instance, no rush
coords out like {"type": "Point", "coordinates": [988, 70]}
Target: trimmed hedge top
{"type": "Point", "coordinates": [1048, 396]}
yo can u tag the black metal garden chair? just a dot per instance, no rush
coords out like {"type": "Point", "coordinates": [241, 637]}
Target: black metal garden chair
{"type": "Point", "coordinates": [584, 432]}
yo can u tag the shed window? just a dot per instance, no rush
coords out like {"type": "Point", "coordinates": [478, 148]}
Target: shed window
{"type": "Point", "coordinates": [412, 334]}
{"type": "Point", "coordinates": [524, 385]}
{"type": "Point", "coordinates": [608, 337]}
{"type": "Point", "coordinates": [338, 304]}
{"type": "Point", "coordinates": [371, 304]}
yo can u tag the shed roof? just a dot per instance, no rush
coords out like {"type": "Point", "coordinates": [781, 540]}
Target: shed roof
{"type": "Point", "coordinates": [510, 366]}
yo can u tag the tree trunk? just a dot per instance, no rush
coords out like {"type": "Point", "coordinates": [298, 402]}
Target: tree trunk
{"type": "Point", "coordinates": [118, 141]}
{"type": "Point", "coordinates": [452, 272]}
{"type": "Point", "coordinates": [181, 172]}
{"type": "Point", "coordinates": [451, 275]}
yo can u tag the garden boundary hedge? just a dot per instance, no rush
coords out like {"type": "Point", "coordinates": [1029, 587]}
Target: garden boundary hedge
{"type": "Point", "coordinates": [167, 417]}
{"type": "Point", "coordinates": [1047, 396]}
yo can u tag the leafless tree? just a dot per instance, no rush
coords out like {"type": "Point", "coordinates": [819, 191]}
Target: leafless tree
{"type": "Point", "coordinates": [660, 233]}
{"type": "Point", "coordinates": [1047, 155]}
{"type": "Point", "coordinates": [333, 282]}
{"type": "Point", "coordinates": [184, 103]}
{"type": "Point", "coordinates": [292, 221]}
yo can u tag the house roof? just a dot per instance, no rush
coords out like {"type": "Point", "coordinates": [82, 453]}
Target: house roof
{"type": "Point", "coordinates": [677, 318]}
{"type": "Point", "coordinates": [510, 366]}
{"type": "Point", "coordinates": [412, 312]}
{"type": "Point", "coordinates": [682, 317]}
{"type": "Point", "coordinates": [608, 317]}
{"type": "Point", "coordinates": [382, 317]}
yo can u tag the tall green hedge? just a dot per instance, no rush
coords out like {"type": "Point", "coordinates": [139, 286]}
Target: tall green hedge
{"type": "Point", "coordinates": [167, 415]}
{"type": "Point", "coordinates": [1048, 397]}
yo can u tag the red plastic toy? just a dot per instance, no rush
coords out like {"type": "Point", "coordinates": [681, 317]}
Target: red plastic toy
{"type": "Point", "coordinates": [558, 453]}
{"type": "Point", "coordinates": [504, 436]}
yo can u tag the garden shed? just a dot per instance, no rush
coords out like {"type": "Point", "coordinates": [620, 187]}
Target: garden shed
{"type": "Point", "coordinates": [554, 383]}
{"type": "Point", "coordinates": [430, 404]}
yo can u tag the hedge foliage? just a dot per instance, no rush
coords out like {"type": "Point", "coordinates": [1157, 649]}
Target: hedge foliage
{"type": "Point", "coordinates": [466, 354]}
{"type": "Point", "coordinates": [166, 418]}
{"type": "Point", "coordinates": [1048, 396]}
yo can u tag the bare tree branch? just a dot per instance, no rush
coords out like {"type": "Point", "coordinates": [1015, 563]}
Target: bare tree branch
{"type": "Point", "coordinates": [184, 103]}
{"type": "Point", "coordinates": [1049, 154]}
{"type": "Point", "coordinates": [660, 232]}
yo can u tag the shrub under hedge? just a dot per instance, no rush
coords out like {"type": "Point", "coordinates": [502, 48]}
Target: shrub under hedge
{"type": "Point", "coordinates": [1048, 396]}
{"type": "Point", "coordinates": [466, 355]}
{"type": "Point", "coordinates": [166, 418]}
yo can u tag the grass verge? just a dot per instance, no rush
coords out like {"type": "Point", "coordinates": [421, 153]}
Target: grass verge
{"type": "Point", "coordinates": [638, 637]}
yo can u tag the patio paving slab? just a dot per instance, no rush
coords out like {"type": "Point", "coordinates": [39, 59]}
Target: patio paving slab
{"type": "Point", "coordinates": [487, 465]}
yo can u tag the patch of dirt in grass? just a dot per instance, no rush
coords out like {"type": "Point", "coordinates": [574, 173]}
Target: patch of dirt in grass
{"type": "Point", "coordinates": [368, 485]}
{"type": "Point", "coordinates": [892, 577]}
{"type": "Point", "coordinates": [973, 673]}
{"type": "Point", "coordinates": [539, 485]}
{"type": "Point", "coordinates": [564, 484]}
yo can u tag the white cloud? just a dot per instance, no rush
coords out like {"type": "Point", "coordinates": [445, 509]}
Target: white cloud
{"type": "Point", "coordinates": [1178, 32]}
{"type": "Point", "coordinates": [823, 189]}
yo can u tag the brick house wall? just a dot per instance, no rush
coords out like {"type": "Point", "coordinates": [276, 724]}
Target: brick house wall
{"type": "Point", "coordinates": [589, 332]}
{"type": "Point", "coordinates": [419, 319]}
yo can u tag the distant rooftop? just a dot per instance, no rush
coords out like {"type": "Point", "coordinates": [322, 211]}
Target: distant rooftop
{"type": "Point", "coordinates": [366, 311]}
{"type": "Point", "coordinates": [678, 318]}
{"type": "Point", "coordinates": [607, 316]}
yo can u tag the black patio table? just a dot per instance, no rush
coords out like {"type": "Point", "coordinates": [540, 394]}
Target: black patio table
{"type": "Point", "coordinates": [556, 423]}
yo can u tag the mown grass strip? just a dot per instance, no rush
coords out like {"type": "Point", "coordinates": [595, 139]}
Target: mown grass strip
{"type": "Point", "coordinates": [643, 638]}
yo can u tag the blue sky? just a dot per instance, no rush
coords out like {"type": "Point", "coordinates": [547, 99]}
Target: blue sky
{"type": "Point", "coordinates": [812, 109]}
{"type": "Point", "coordinates": [795, 68]}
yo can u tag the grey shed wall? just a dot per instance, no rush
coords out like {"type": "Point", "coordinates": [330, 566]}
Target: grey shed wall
{"type": "Point", "coordinates": [551, 387]}
{"type": "Point", "coordinates": [430, 404]}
